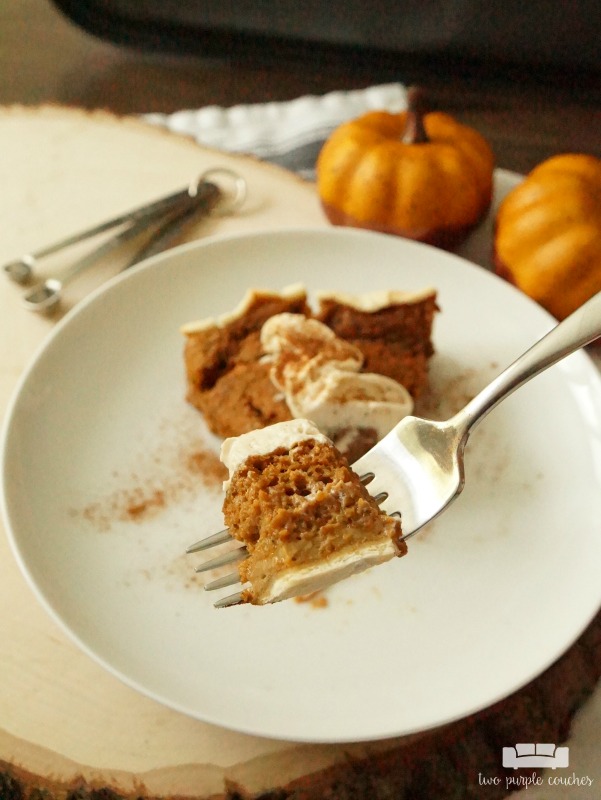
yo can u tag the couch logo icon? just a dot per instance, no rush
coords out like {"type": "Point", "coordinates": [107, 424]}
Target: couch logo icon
{"type": "Point", "coordinates": [536, 755]}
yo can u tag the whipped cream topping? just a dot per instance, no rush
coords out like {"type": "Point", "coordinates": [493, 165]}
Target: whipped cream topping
{"type": "Point", "coordinates": [367, 301]}
{"type": "Point", "coordinates": [299, 348]}
{"type": "Point", "coordinates": [319, 375]}
{"type": "Point", "coordinates": [341, 399]}
{"type": "Point", "coordinates": [298, 581]}
{"type": "Point", "coordinates": [376, 300]}
{"type": "Point", "coordinates": [236, 449]}
{"type": "Point", "coordinates": [295, 291]}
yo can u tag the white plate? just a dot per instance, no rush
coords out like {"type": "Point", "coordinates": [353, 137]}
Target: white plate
{"type": "Point", "coordinates": [489, 596]}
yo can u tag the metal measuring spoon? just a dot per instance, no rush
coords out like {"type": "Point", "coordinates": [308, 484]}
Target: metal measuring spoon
{"type": "Point", "coordinates": [228, 196]}
{"type": "Point", "coordinates": [22, 269]}
{"type": "Point", "coordinates": [48, 294]}
{"type": "Point", "coordinates": [173, 212]}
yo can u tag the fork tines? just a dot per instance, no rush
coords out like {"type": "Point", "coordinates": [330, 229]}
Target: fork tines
{"type": "Point", "coordinates": [230, 600]}
{"type": "Point", "coordinates": [238, 554]}
{"type": "Point", "coordinates": [225, 558]}
{"type": "Point", "coordinates": [210, 541]}
{"type": "Point", "coordinates": [229, 557]}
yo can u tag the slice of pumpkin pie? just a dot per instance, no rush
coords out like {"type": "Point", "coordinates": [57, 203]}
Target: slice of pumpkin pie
{"type": "Point", "coordinates": [391, 328]}
{"type": "Point", "coordinates": [305, 517]}
{"type": "Point", "coordinates": [225, 377]}
{"type": "Point", "coordinates": [320, 377]}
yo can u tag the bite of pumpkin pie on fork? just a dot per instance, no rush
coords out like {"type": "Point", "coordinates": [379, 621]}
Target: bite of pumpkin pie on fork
{"type": "Point", "coordinates": [303, 518]}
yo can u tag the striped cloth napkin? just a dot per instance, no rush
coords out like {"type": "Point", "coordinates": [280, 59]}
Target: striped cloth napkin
{"type": "Point", "coordinates": [291, 133]}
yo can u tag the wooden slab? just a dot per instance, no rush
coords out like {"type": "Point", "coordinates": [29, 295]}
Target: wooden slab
{"type": "Point", "coordinates": [67, 726]}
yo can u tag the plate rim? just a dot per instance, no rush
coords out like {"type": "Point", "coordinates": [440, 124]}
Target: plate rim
{"type": "Point", "coordinates": [154, 263]}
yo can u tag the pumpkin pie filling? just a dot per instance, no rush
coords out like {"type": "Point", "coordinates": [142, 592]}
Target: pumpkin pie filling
{"type": "Point", "coordinates": [305, 517]}
{"type": "Point", "coordinates": [272, 359]}
{"type": "Point", "coordinates": [226, 380]}
{"type": "Point", "coordinates": [298, 395]}
{"type": "Point", "coordinates": [392, 329]}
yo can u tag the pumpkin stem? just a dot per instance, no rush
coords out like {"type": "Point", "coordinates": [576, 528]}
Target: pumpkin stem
{"type": "Point", "coordinates": [415, 131]}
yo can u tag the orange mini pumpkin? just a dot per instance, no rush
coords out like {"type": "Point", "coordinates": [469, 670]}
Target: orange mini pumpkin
{"type": "Point", "coordinates": [547, 237]}
{"type": "Point", "coordinates": [420, 175]}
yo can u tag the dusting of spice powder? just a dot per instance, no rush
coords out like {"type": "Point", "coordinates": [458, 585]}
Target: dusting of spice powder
{"type": "Point", "coordinates": [207, 465]}
{"type": "Point", "coordinates": [162, 478]}
{"type": "Point", "coordinates": [144, 504]}
{"type": "Point", "coordinates": [315, 599]}
{"type": "Point", "coordinates": [172, 471]}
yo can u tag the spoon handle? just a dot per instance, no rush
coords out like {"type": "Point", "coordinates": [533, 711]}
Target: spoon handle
{"type": "Point", "coordinates": [47, 295]}
{"type": "Point", "coordinates": [172, 225]}
{"type": "Point", "coordinates": [582, 327]}
{"type": "Point", "coordinates": [21, 270]}
{"type": "Point", "coordinates": [205, 199]}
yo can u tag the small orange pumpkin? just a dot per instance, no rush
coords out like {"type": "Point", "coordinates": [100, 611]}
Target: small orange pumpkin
{"type": "Point", "coordinates": [547, 237]}
{"type": "Point", "coordinates": [420, 175]}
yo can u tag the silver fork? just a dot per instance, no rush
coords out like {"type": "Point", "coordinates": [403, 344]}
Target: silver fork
{"type": "Point", "coordinates": [418, 468]}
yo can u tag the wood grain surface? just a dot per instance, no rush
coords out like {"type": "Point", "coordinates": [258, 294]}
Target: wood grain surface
{"type": "Point", "coordinates": [69, 730]}
{"type": "Point", "coordinates": [72, 730]}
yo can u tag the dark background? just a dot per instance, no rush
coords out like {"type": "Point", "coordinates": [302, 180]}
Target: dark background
{"type": "Point", "coordinates": [528, 109]}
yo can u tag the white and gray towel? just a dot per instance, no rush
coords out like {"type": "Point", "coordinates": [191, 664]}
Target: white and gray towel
{"type": "Point", "coordinates": [291, 133]}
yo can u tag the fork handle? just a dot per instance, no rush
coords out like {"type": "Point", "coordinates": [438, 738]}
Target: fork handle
{"type": "Point", "coordinates": [582, 327]}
